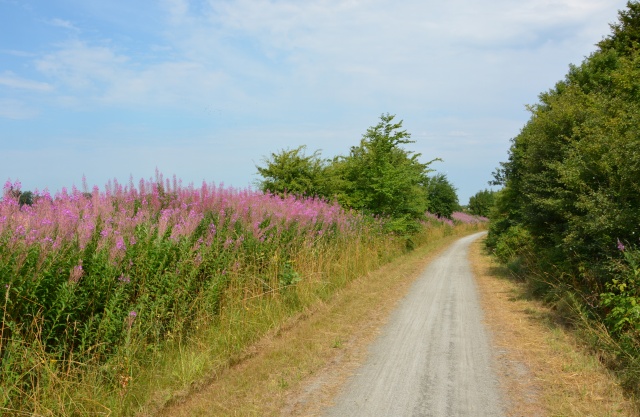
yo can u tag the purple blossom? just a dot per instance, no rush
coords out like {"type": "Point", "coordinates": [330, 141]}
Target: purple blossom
{"type": "Point", "coordinates": [131, 318]}
{"type": "Point", "coordinates": [76, 273]}
{"type": "Point", "coordinates": [620, 246]}
{"type": "Point", "coordinates": [68, 218]}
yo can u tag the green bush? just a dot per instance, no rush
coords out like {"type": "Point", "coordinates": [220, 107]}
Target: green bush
{"type": "Point", "coordinates": [571, 189]}
{"type": "Point", "coordinates": [481, 203]}
{"type": "Point", "coordinates": [378, 177]}
{"type": "Point", "coordinates": [442, 195]}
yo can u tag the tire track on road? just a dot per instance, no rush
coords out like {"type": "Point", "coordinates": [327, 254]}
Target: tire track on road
{"type": "Point", "coordinates": [433, 357]}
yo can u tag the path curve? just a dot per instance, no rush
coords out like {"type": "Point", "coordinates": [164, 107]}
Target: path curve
{"type": "Point", "coordinates": [433, 358]}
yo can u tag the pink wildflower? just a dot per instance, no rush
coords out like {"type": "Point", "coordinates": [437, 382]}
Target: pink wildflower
{"type": "Point", "coordinates": [76, 273]}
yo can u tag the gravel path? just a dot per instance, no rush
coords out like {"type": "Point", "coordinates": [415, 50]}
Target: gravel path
{"type": "Point", "coordinates": [433, 357]}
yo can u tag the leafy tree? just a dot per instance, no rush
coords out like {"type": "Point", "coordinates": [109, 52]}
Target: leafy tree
{"type": "Point", "coordinates": [292, 171]}
{"type": "Point", "coordinates": [570, 203]}
{"type": "Point", "coordinates": [380, 177]}
{"type": "Point", "coordinates": [572, 175]}
{"type": "Point", "coordinates": [26, 197]}
{"type": "Point", "coordinates": [481, 203]}
{"type": "Point", "coordinates": [442, 195]}
{"type": "Point", "coordinates": [626, 33]}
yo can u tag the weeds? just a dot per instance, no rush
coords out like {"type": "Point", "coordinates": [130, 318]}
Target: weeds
{"type": "Point", "coordinates": [105, 291]}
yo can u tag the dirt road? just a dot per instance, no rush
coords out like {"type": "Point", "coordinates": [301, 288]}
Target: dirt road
{"type": "Point", "coordinates": [433, 357]}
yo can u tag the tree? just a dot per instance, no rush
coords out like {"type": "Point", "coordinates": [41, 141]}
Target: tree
{"type": "Point", "coordinates": [26, 197]}
{"type": "Point", "coordinates": [626, 33]}
{"type": "Point", "coordinates": [291, 171]}
{"type": "Point", "coordinates": [378, 177]}
{"type": "Point", "coordinates": [572, 175]}
{"type": "Point", "coordinates": [442, 196]}
{"type": "Point", "coordinates": [382, 178]}
{"type": "Point", "coordinates": [480, 203]}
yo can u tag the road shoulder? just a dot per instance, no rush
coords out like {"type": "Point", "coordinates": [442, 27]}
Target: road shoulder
{"type": "Point", "coordinates": [298, 369]}
{"type": "Point", "coordinates": [544, 370]}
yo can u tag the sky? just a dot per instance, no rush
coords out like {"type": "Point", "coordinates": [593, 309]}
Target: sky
{"type": "Point", "coordinates": [205, 90]}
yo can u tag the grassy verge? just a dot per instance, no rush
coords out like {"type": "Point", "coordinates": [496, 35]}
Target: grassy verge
{"type": "Point", "coordinates": [547, 367]}
{"type": "Point", "coordinates": [115, 302]}
{"type": "Point", "coordinates": [302, 357]}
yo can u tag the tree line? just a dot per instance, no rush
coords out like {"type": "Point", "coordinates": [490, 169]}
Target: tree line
{"type": "Point", "coordinates": [570, 203]}
{"type": "Point", "coordinates": [378, 177]}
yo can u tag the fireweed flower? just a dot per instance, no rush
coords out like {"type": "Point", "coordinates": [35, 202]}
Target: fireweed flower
{"type": "Point", "coordinates": [75, 274]}
{"type": "Point", "coordinates": [120, 243]}
{"type": "Point", "coordinates": [124, 279]}
{"type": "Point", "coordinates": [620, 246]}
{"type": "Point", "coordinates": [131, 318]}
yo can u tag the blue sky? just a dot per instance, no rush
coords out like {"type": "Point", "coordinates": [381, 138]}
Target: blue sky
{"type": "Point", "coordinates": [205, 89]}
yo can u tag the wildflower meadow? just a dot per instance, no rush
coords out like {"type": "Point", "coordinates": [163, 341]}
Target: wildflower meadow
{"type": "Point", "coordinates": [96, 283]}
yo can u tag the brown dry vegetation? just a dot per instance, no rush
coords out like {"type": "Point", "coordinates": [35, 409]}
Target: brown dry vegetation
{"type": "Point", "coordinates": [543, 367]}
{"type": "Point", "coordinates": [296, 370]}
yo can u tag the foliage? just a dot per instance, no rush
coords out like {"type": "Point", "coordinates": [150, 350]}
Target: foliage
{"type": "Point", "coordinates": [626, 33]}
{"type": "Point", "coordinates": [571, 175]}
{"type": "Point", "coordinates": [442, 196]}
{"type": "Point", "coordinates": [93, 279]}
{"type": "Point", "coordinates": [381, 177]}
{"type": "Point", "coordinates": [12, 190]}
{"type": "Point", "coordinates": [293, 172]}
{"type": "Point", "coordinates": [622, 299]}
{"type": "Point", "coordinates": [26, 197]}
{"type": "Point", "coordinates": [571, 191]}
{"type": "Point", "coordinates": [461, 217]}
{"type": "Point", "coordinates": [104, 292]}
{"type": "Point", "coordinates": [378, 177]}
{"type": "Point", "coordinates": [481, 203]}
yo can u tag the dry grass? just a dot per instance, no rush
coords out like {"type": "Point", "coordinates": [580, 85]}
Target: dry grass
{"type": "Point", "coordinates": [544, 368]}
{"type": "Point", "coordinates": [296, 370]}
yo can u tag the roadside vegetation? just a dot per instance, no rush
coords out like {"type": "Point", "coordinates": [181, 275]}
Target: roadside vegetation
{"type": "Point", "coordinates": [568, 214]}
{"type": "Point", "coordinates": [298, 367]}
{"type": "Point", "coordinates": [544, 367]}
{"type": "Point", "coordinates": [378, 177]}
{"type": "Point", "coordinates": [116, 301]}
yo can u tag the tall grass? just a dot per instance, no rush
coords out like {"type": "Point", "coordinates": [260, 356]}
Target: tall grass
{"type": "Point", "coordinates": [115, 299]}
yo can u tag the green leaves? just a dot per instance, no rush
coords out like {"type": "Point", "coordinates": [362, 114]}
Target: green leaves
{"type": "Point", "coordinates": [481, 203]}
{"type": "Point", "coordinates": [626, 33]}
{"type": "Point", "coordinates": [572, 179]}
{"type": "Point", "coordinates": [443, 199]}
{"type": "Point", "coordinates": [292, 171]}
{"type": "Point", "coordinates": [381, 177]}
{"type": "Point", "coordinates": [378, 177]}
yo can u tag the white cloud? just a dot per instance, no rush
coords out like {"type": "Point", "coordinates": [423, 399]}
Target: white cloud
{"type": "Point", "coordinates": [169, 83]}
{"type": "Point", "coordinates": [16, 110]}
{"type": "Point", "coordinates": [99, 74]}
{"type": "Point", "coordinates": [9, 79]}
{"type": "Point", "coordinates": [273, 53]}
{"type": "Point", "coordinates": [177, 10]}
{"type": "Point", "coordinates": [64, 24]}
{"type": "Point", "coordinates": [17, 53]}
{"type": "Point", "coordinates": [81, 66]}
